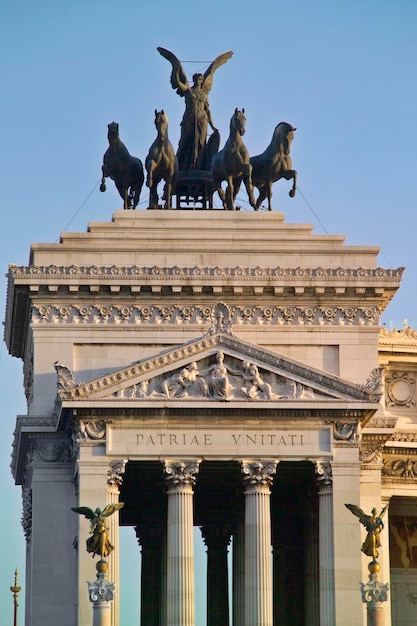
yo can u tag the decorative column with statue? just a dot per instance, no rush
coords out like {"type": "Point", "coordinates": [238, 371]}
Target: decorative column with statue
{"type": "Point", "coordinates": [374, 592]}
{"type": "Point", "coordinates": [101, 591]}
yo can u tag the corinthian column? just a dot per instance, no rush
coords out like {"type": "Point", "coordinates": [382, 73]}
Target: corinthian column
{"type": "Point", "coordinates": [181, 477]}
{"type": "Point", "coordinates": [257, 479]}
{"type": "Point", "coordinates": [326, 544]}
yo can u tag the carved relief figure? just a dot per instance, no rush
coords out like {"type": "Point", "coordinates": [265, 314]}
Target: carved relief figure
{"type": "Point", "coordinates": [197, 115]}
{"type": "Point", "coordinates": [178, 384]}
{"type": "Point", "coordinates": [254, 386]}
{"type": "Point", "coordinates": [217, 382]}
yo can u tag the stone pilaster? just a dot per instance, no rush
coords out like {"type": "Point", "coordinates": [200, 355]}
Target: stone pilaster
{"type": "Point", "coordinates": [326, 544]}
{"type": "Point", "coordinates": [114, 481]}
{"type": "Point", "coordinates": [180, 478]}
{"type": "Point", "coordinates": [217, 538]}
{"type": "Point", "coordinates": [257, 479]}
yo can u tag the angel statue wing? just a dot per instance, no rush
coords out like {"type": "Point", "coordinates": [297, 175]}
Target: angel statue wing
{"type": "Point", "coordinates": [363, 517]}
{"type": "Point", "coordinates": [112, 508]}
{"type": "Point", "coordinates": [209, 73]}
{"type": "Point", "coordinates": [84, 510]}
{"type": "Point", "coordinates": [178, 78]}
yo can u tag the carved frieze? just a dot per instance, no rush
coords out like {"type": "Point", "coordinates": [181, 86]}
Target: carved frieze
{"type": "Point", "coordinates": [400, 389]}
{"type": "Point", "coordinates": [122, 272]}
{"type": "Point", "coordinates": [346, 431]}
{"type": "Point", "coordinates": [203, 315]}
{"type": "Point", "coordinates": [50, 452]}
{"type": "Point", "coordinates": [90, 430]}
{"type": "Point", "coordinates": [403, 468]}
{"type": "Point", "coordinates": [26, 518]}
{"type": "Point", "coordinates": [371, 452]}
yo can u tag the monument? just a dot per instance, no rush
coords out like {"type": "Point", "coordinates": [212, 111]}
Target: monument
{"type": "Point", "coordinates": [208, 368]}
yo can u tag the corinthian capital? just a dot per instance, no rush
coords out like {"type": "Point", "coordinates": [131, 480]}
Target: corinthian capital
{"type": "Point", "coordinates": [180, 474]}
{"type": "Point", "coordinates": [258, 474]}
{"type": "Point", "coordinates": [324, 476]}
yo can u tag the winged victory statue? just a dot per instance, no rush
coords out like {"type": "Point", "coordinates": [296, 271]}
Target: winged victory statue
{"type": "Point", "coordinates": [193, 151]}
{"type": "Point", "coordinates": [99, 542]}
{"type": "Point", "coordinates": [373, 524]}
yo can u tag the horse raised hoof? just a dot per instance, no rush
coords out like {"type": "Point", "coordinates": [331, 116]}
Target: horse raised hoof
{"type": "Point", "coordinates": [291, 193]}
{"type": "Point", "coordinates": [103, 187]}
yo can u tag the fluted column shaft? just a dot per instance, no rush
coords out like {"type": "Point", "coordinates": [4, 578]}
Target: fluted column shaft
{"type": "Point", "coordinates": [180, 543]}
{"type": "Point", "coordinates": [326, 544]}
{"type": "Point", "coordinates": [258, 570]}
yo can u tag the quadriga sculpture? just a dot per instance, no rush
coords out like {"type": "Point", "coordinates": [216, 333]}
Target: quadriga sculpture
{"type": "Point", "coordinates": [273, 164]}
{"type": "Point", "coordinates": [161, 163]}
{"type": "Point", "coordinates": [232, 164]}
{"type": "Point", "coordinates": [124, 169]}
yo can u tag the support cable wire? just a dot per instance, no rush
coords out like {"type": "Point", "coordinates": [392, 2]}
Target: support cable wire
{"type": "Point", "coordinates": [85, 201]}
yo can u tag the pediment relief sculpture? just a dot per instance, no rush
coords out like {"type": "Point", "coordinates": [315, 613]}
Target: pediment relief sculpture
{"type": "Point", "coordinates": [217, 367]}
{"type": "Point", "coordinates": [220, 378]}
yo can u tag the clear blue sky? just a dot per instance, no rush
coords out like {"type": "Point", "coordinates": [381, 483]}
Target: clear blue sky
{"type": "Point", "coordinates": [343, 73]}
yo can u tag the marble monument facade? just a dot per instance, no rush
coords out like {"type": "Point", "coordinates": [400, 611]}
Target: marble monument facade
{"type": "Point", "coordinates": [225, 371]}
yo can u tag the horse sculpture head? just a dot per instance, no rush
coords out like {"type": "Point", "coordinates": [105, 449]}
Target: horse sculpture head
{"type": "Point", "coordinates": [238, 121]}
{"type": "Point", "coordinates": [161, 119]}
{"type": "Point", "coordinates": [284, 134]}
{"type": "Point", "coordinates": [113, 131]}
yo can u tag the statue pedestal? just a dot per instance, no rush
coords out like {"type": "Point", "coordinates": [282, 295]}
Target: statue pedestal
{"type": "Point", "coordinates": [374, 594]}
{"type": "Point", "coordinates": [101, 594]}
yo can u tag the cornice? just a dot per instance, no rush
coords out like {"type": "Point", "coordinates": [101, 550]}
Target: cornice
{"type": "Point", "coordinates": [114, 273]}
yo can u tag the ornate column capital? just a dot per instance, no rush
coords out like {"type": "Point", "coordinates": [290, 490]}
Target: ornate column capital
{"type": "Point", "coordinates": [180, 475]}
{"type": "Point", "coordinates": [374, 592]}
{"type": "Point", "coordinates": [217, 536]}
{"type": "Point", "coordinates": [100, 591]}
{"type": "Point", "coordinates": [115, 472]}
{"type": "Point", "coordinates": [258, 475]}
{"type": "Point", "coordinates": [324, 476]}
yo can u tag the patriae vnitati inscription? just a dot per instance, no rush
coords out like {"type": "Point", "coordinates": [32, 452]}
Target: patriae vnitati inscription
{"type": "Point", "coordinates": [215, 442]}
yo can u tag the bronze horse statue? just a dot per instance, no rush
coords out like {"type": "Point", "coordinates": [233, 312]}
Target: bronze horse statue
{"type": "Point", "coordinates": [274, 163]}
{"type": "Point", "coordinates": [161, 164]}
{"type": "Point", "coordinates": [232, 164]}
{"type": "Point", "coordinates": [124, 169]}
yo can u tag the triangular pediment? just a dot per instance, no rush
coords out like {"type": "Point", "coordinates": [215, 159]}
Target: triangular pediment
{"type": "Point", "coordinates": [217, 368]}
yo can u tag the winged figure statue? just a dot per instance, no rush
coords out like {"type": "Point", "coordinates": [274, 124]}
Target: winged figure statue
{"type": "Point", "coordinates": [373, 524]}
{"type": "Point", "coordinates": [197, 117]}
{"type": "Point", "coordinates": [99, 542]}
